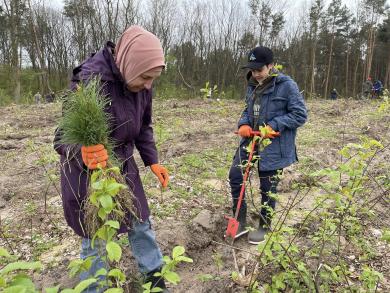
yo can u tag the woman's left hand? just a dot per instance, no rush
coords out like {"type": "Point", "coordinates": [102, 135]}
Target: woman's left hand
{"type": "Point", "coordinates": [161, 173]}
{"type": "Point", "coordinates": [270, 133]}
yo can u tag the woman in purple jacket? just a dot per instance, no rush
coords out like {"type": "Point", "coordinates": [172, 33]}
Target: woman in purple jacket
{"type": "Point", "coordinates": [127, 72]}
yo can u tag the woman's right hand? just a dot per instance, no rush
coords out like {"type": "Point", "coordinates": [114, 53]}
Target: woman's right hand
{"type": "Point", "coordinates": [94, 156]}
{"type": "Point", "coordinates": [245, 131]}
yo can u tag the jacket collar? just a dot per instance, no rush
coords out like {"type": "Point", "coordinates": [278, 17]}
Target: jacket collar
{"type": "Point", "coordinates": [270, 88]}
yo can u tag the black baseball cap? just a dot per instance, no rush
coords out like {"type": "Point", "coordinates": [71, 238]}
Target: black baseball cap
{"type": "Point", "coordinates": [258, 57]}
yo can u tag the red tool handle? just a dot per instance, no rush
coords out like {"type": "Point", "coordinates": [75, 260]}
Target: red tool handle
{"type": "Point", "coordinates": [248, 167]}
{"type": "Point", "coordinates": [253, 133]}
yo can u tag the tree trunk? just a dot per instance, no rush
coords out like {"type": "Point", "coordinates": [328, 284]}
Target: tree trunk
{"type": "Point", "coordinates": [347, 74]}
{"type": "Point", "coordinates": [387, 76]}
{"type": "Point", "coordinates": [370, 51]}
{"type": "Point", "coordinates": [43, 79]}
{"type": "Point", "coordinates": [328, 69]}
{"type": "Point", "coordinates": [313, 64]}
{"type": "Point", "coordinates": [354, 93]}
{"type": "Point", "coordinates": [14, 32]}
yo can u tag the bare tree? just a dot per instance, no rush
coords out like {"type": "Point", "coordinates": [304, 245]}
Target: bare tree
{"type": "Point", "coordinates": [14, 9]}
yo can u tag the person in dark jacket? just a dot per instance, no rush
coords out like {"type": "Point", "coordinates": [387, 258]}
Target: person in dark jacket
{"type": "Point", "coordinates": [50, 97]}
{"type": "Point", "coordinates": [127, 71]}
{"type": "Point", "coordinates": [333, 94]}
{"type": "Point", "coordinates": [272, 99]}
{"type": "Point", "coordinates": [377, 88]}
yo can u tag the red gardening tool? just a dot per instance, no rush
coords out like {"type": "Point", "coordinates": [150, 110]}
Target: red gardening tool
{"type": "Point", "coordinates": [233, 224]}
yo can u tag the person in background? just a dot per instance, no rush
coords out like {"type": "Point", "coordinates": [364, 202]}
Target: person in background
{"type": "Point", "coordinates": [333, 94]}
{"type": "Point", "coordinates": [377, 88]}
{"type": "Point", "coordinates": [127, 71]}
{"type": "Point", "coordinates": [50, 97]}
{"type": "Point", "coordinates": [272, 99]}
{"type": "Point", "coordinates": [367, 88]}
{"type": "Point", "coordinates": [37, 98]}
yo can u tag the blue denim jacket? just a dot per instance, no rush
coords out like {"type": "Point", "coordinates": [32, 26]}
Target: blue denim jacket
{"type": "Point", "coordinates": [281, 107]}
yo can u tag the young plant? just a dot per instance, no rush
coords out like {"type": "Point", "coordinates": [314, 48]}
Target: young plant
{"type": "Point", "coordinates": [168, 270]}
{"type": "Point", "coordinates": [104, 190]}
{"type": "Point", "coordinates": [13, 277]}
{"type": "Point", "coordinates": [208, 91]}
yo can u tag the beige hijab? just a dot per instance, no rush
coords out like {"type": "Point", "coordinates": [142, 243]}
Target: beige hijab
{"type": "Point", "coordinates": [136, 52]}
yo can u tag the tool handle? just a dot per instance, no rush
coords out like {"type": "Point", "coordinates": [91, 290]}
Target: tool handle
{"type": "Point", "coordinates": [253, 133]}
{"type": "Point", "coordinates": [248, 167]}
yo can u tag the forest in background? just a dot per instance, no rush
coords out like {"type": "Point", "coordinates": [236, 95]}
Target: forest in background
{"type": "Point", "coordinates": [321, 44]}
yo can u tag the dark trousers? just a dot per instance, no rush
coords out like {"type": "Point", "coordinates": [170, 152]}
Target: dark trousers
{"type": "Point", "coordinates": [268, 183]}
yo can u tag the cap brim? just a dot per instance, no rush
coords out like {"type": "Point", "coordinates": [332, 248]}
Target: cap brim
{"type": "Point", "coordinates": [253, 65]}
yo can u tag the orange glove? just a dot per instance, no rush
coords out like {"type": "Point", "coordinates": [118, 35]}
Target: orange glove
{"type": "Point", "coordinates": [161, 173]}
{"type": "Point", "coordinates": [270, 133]}
{"type": "Point", "coordinates": [94, 155]}
{"type": "Point", "coordinates": [245, 131]}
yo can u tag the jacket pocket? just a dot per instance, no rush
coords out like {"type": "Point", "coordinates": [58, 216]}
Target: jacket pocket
{"type": "Point", "coordinates": [277, 104]}
{"type": "Point", "coordinates": [274, 149]}
{"type": "Point", "coordinates": [287, 143]}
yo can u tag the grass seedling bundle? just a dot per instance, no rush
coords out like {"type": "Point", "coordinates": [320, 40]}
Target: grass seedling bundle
{"type": "Point", "coordinates": [85, 122]}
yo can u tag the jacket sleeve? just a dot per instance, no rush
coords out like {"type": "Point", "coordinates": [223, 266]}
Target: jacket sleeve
{"type": "Point", "coordinates": [245, 118]}
{"type": "Point", "coordinates": [68, 150]}
{"type": "Point", "coordinates": [296, 111]}
{"type": "Point", "coordinates": [145, 142]}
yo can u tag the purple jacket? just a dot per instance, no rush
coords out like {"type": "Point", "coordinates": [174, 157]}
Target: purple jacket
{"type": "Point", "coordinates": [131, 126]}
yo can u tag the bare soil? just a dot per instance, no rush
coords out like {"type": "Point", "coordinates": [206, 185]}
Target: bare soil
{"type": "Point", "coordinates": [196, 142]}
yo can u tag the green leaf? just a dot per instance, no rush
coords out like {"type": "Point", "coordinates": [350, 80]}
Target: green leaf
{"type": "Point", "coordinates": [106, 202]}
{"type": "Point", "coordinates": [114, 251]}
{"type": "Point", "coordinates": [101, 272]}
{"type": "Point", "coordinates": [78, 265]}
{"type": "Point", "coordinates": [118, 274]}
{"type": "Point", "coordinates": [167, 259]}
{"type": "Point", "coordinates": [113, 188]}
{"type": "Point", "coordinates": [68, 291]}
{"type": "Point", "coordinates": [93, 199]}
{"type": "Point", "coordinates": [106, 233]}
{"type": "Point", "coordinates": [184, 258]}
{"type": "Point", "coordinates": [115, 170]}
{"type": "Point", "coordinates": [102, 214]}
{"type": "Point", "coordinates": [2, 282]}
{"type": "Point", "coordinates": [172, 277]}
{"type": "Point", "coordinates": [178, 251]}
{"type": "Point", "coordinates": [156, 289]}
{"type": "Point", "coordinates": [21, 265]}
{"type": "Point", "coordinates": [15, 289]}
{"type": "Point", "coordinates": [52, 289]}
{"type": "Point", "coordinates": [99, 185]}
{"type": "Point", "coordinates": [147, 286]}
{"type": "Point", "coordinates": [113, 224]}
{"type": "Point", "coordinates": [4, 252]}
{"type": "Point", "coordinates": [84, 285]}
{"type": "Point", "coordinates": [23, 280]}
{"type": "Point", "coordinates": [95, 175]}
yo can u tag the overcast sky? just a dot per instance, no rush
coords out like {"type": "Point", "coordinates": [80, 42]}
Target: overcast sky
{"type": "Point", "coordinates": [294, 10]}
{"type": "Point", "coordinates": [292, 3]}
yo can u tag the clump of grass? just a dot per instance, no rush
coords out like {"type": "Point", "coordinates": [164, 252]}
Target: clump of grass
{"type": "Point", "coordinates": [85, 122]}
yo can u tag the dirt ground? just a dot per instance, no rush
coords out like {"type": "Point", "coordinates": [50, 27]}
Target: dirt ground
{"type": "Point", "coordinates": [196, 142]}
